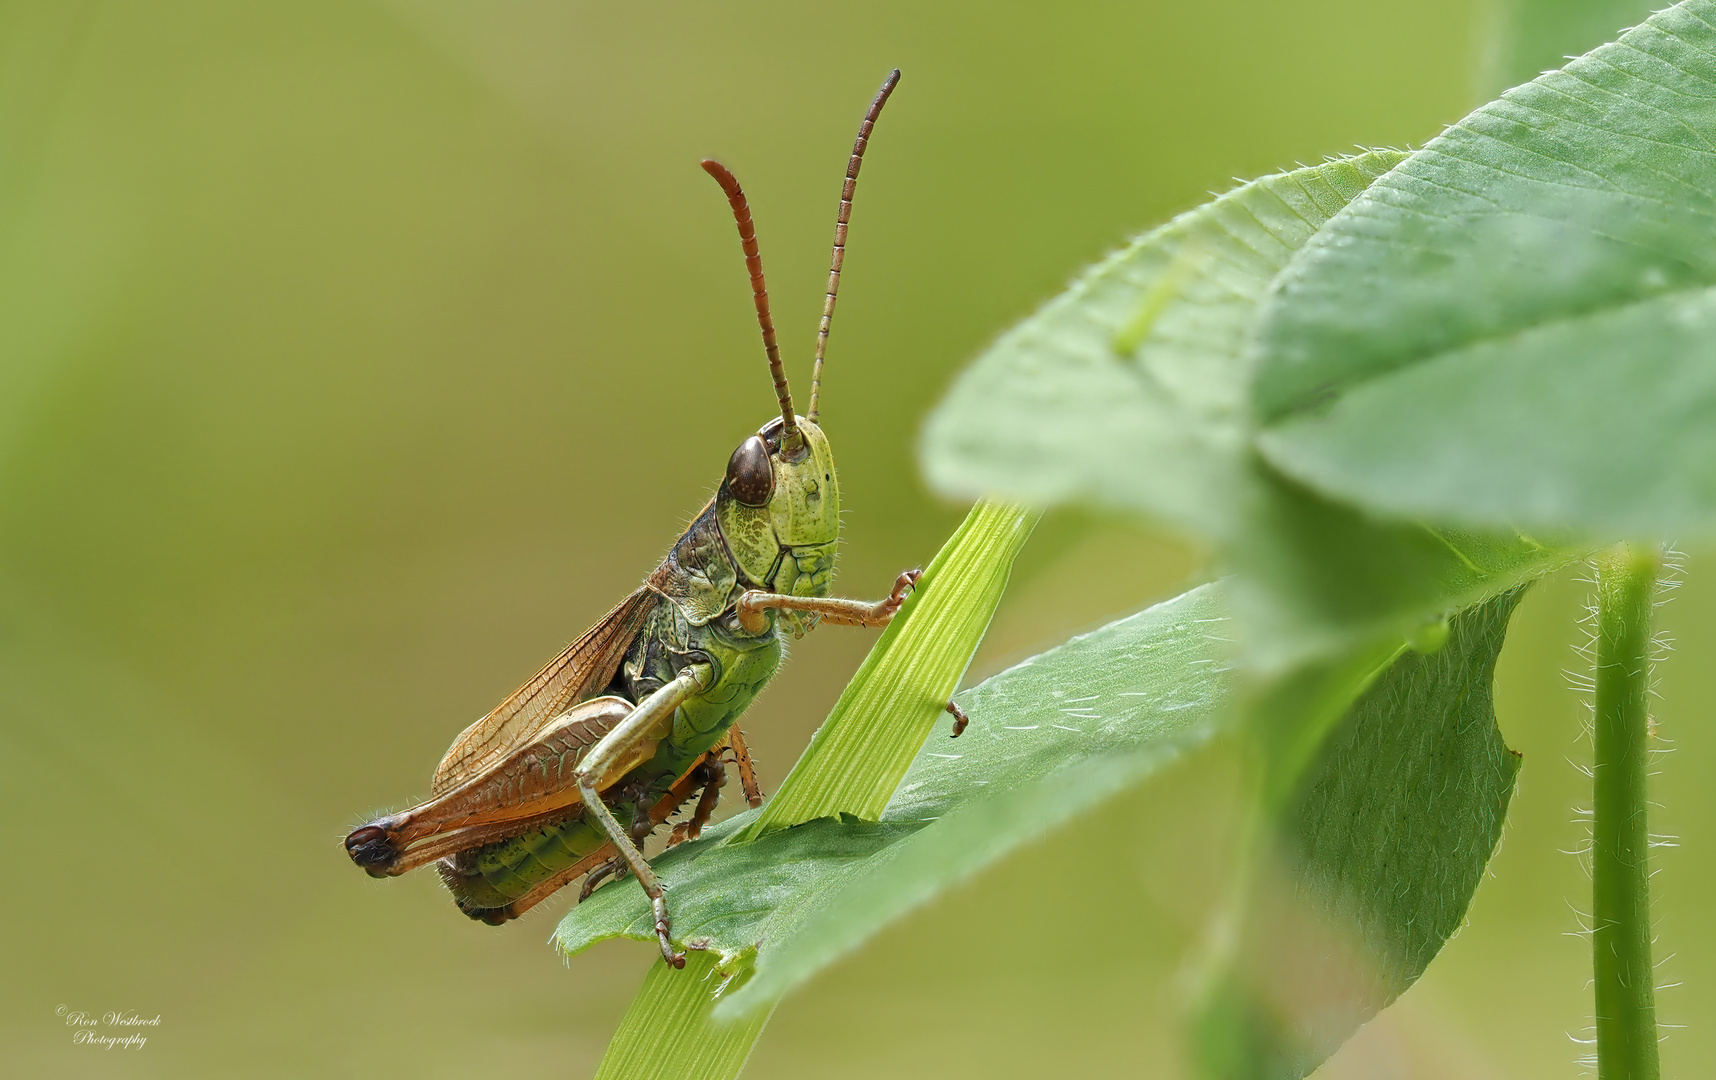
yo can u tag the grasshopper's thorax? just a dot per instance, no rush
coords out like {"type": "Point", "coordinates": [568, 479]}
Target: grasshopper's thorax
{"type": "Point", "coordinates": [780, 512]}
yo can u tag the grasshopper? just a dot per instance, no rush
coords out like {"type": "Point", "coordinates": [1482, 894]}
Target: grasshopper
{"type": "Point", "coordinates": [641, 711]}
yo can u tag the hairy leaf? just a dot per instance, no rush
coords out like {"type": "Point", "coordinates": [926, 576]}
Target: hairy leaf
{"type": "Point", "coordinates": [1130, 391]}
{"type": "Point", "coordinates": [1517, 325]}
{"type": "Point", "coordinates": [1521, 38]}
{"type": "Point", "coordinates": [1049, 738]}
{"type": "Point", "coordinates": [1369, 863]}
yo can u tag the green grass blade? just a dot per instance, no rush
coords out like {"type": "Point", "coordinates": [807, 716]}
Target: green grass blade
{"type": "Point", "coordinates": [668, 1032]}
{"type": "Point", "coordinates": [852, 767]}
{"type": "Point", "coordinates": [858, 756]}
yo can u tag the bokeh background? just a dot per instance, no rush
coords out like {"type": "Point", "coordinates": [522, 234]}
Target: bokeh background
{"type": "Point", "coordinates": [356, 356]}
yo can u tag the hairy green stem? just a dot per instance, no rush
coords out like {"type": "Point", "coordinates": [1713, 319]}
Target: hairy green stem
{"type": "Point", "coordinates": [1620, 872]}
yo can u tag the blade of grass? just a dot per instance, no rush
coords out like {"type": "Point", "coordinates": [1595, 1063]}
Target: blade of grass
{"type": "Point", "coordinates": [853, 764]}
{"type": "Point", "coordinates": [856, 759]}
{"type": "Point", "coordinates": [667, 1031]}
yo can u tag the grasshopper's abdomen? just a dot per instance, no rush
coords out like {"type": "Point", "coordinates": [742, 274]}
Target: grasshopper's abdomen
{"type": "Point", "coordinates": [690, 627]}
{"type": "Point", "coordinates": [490, 878]}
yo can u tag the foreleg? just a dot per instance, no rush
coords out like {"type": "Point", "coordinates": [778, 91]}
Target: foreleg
{"type": "Point", "coordinates": [834, 610]}
{"type": "Point", "coordinates": [829, 608]}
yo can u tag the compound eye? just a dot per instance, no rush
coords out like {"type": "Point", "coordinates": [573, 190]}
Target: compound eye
{"type": "Point", "coordinates": [750, 475]}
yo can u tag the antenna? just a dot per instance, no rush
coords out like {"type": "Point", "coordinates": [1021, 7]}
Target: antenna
{"type": "Point", "coordinates": [790, 437]}
{"type": "Point", "coordinates": [840, 224]}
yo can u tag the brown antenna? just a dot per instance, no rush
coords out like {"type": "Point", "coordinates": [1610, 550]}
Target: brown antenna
{"type": "Point", "coordinates": [790, 437]}
{"type": "Point", "coordinates": [840, 223]}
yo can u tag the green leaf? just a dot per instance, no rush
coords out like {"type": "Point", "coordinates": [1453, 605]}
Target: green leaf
{"type": "Point", "coordinates": [1521, 38]}
{"type": "Point", "coordinates": [1049, 738]}
{"type": "Point", "coordinates": [1130, 391]}
{"type": "Point", "coordinates": [1371, 861]}
{"type": "Point", "coordinates": [1518, 323]}
{"type": "Point", "coordinates": [1289, 717]}
{"type": "Point", "coordinates": [1315, 579]}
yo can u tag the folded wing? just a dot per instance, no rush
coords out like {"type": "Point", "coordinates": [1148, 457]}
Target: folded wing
{"type": "Point", "coordinates": [583, 670]}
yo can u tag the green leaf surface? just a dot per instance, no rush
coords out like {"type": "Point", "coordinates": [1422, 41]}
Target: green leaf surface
{"type": "Point", "coordinates": [1048, 739]}
{"type": "Point", "coordinates": [1129, 391]}
{"type": "Point", "coordinates": [1517, 325]}
{"type": "Point", "coordinates": [1519, 39]}
{"type": "Point", "coordinates": [1370, 864]}
{"type": "Point", "coordinates": [1314, 579]}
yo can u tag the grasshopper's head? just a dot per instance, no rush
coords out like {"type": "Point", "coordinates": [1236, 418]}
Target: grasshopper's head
{"type": "Point", "coordinates": [780, 503]}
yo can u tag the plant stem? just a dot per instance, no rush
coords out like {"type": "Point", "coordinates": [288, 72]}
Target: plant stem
{"type": "Point", "coordinates": [667, 1032]}
{"type": "Point", "coordinates": [1620, 874]}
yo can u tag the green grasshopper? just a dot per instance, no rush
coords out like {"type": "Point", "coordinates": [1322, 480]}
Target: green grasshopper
{"type": "Point", "coordinates": [641, 710]}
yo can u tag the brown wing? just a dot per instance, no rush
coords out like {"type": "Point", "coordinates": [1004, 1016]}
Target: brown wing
{"type": "Point", "coordinates": [586, 667]}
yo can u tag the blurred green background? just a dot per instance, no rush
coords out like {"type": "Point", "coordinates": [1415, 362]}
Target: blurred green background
{"type": "Point", "coordinates": [355, 357]}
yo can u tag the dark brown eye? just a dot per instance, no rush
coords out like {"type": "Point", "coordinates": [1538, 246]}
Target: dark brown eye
{"type": "Point", "coordinates": [750, 477]}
